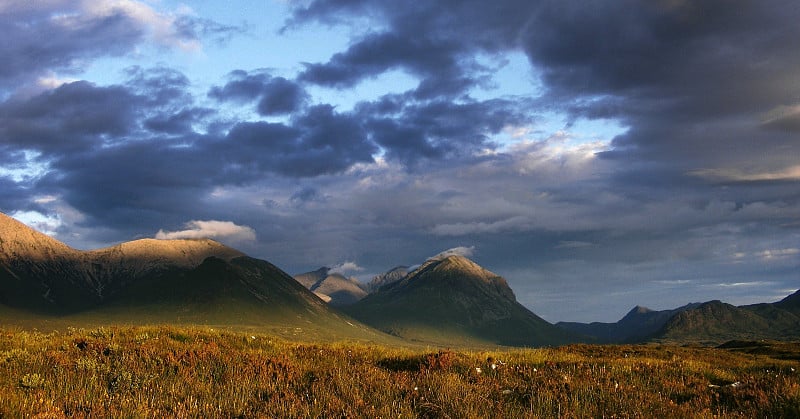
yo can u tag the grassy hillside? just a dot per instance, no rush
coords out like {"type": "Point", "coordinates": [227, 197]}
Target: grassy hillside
{"type": "Point", "coordinates": [454, 300]}
{"type": "Point", "coordinates": [715, 322]}
{"type": "Point", "coordinates": [198, 372]}
{"type": "Point", "coordinates": [243, 294]}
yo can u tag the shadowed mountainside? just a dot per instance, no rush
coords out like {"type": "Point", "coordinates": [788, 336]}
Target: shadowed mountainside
{"type": "Point", "coordinates": [455, 299]}
{"type": "Point", "coordinates": [638, 325]}
{"type": "Point", "coordinates": [716, 322]}
{"type": "Point", "coordinates": [46, 283]}
{"type": "Point", "coordinates": [710, 322]}
{"type": "Point", "coordinates": [40, 273]}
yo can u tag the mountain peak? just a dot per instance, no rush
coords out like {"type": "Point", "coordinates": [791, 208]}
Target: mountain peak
{"type": "Point", "coordinates": [638, 310]}
{"type": "Point", "coordinates": [389, 277]}
{"type": "Point", "coordinates": [20, 241]}
{"type": "Point", "coordinates": [178, 252]}
{"type": "Point", "coordinates": [332, 287]}
{"type": "Point", "coordinates": [456, 265]}
{"type": "Point", "coordinates": [454, 298]}
{"type": "Point", "coordinates": [792, 300]}
{"type": "Point", "coordinates": [56, 274]}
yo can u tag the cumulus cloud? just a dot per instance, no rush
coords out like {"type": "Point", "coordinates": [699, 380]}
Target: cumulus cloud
{"type": "Point", "coordinates": [276, 95]}
{"type": "Point", "coordinates": [210, 229]}
{"type": "Point", "coordinates": [346, 268]}
{"type": "Point", "coordinates": [76, 32]}
{"type": "Point", "coordinates": [465, 251]}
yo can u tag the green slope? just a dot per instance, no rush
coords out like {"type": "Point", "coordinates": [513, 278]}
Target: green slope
{"type": "Point", "coordinates": [45, 284]}
{"type": "Point", "coordinates": [455, 302]}
{"type": "Point", "coordinates": [715, 322]}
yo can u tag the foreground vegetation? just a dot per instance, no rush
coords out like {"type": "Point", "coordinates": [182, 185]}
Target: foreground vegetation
{"type": "Point", "coordinates": [172, 372]}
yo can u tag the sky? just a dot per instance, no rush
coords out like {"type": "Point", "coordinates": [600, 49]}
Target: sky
{"type": "Point", "coordinates": [598, 155]}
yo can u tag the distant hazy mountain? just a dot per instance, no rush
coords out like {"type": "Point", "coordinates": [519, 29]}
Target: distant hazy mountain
{"type": "Point", "coordinates": [454, 301]}
{"type": "Point", "coordinates": [156, 281]}
{"type": "Point", "coordinates": [638, 325]}
{"type": "Point", "coordinates": [334, 288]}
{"type": "Point", "coordinates": [308, 279]}
{"type": "Point", "coordinates": [709, 322]}
{"type": "Point", "coordinates": [395, 274]}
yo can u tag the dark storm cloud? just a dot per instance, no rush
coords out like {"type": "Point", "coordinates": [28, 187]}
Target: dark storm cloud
{"type": "Point", "coordinates": [319, 141]}
{"type": "Point", "coordinates": [281, 96]}
{"type": "Point", "coordinates": [129, 155]}
{"type": "Point", "coordinates": [276, 95]}
{"type": "Point", "coordinates": [13, 195]}
{"type": "Point", "coordinates": [437, 62]}
{"type": "Point", "coordinates": [40, 38]}
{"type": "Point", "coordinates": [410, 130]}
{"type": "Point", "coordinates": [81, 116]}
{"type": "Point", "coordinates": [437, 42]}
{"type": "Point", "coordinates": [132, 185]}
{"type": "Point", "coordinates": [161, 86]}
{"type": "Point", "coordinates": [306, 195]}
{"type": "Point", "coordinates": [35, 41]}
{"type": "Point", "coordinates": [690, 79]}
{"type": "Point", "coordinates": [242, 87]}
{"type": "Point", "coordinates": [73, 116]}
{"type": "Point", "coordinates": [178, 123]}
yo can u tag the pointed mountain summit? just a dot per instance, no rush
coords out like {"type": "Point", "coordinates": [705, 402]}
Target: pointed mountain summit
{"type": "Point", "coordinates": [340, 289]}
{"type": "Point", "coordinates": [308, 279]}
{"type": "Point", "coordinates": [393, 275]}
{"type": "Point", "coordinates": [334, 288]}
{"type": "Point", "coordinates": [455, 301]}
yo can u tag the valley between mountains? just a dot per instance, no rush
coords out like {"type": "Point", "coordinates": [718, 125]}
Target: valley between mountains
{"type": "Point", "coordinates": [445, 301]}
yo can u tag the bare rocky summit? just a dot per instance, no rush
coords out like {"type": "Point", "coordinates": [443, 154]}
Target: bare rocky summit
{"type": "Point", "coordinates": [393, 275]}
{"type": "Point", "coordinates": [333, 288]}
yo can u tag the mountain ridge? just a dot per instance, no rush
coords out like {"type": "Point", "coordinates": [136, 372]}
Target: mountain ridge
{"type": "Point", "coordinates": [455, 298]}
{"type": "Point", "coordinates": [148, 281]}
{"type": "Point", "coordinates": [333, 287]}
{"type": "Point", "coordinates": [710, 322]}
{"type": "Point", "coordinates": [43, 273]}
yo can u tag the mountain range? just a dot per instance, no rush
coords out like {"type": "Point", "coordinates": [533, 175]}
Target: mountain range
{"type": "Point", "coordinates": [446, 301]}
{"type": "Point", "coordinates": [150, 281]}
{"type": "Point", "coordinates": [710, 322]}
